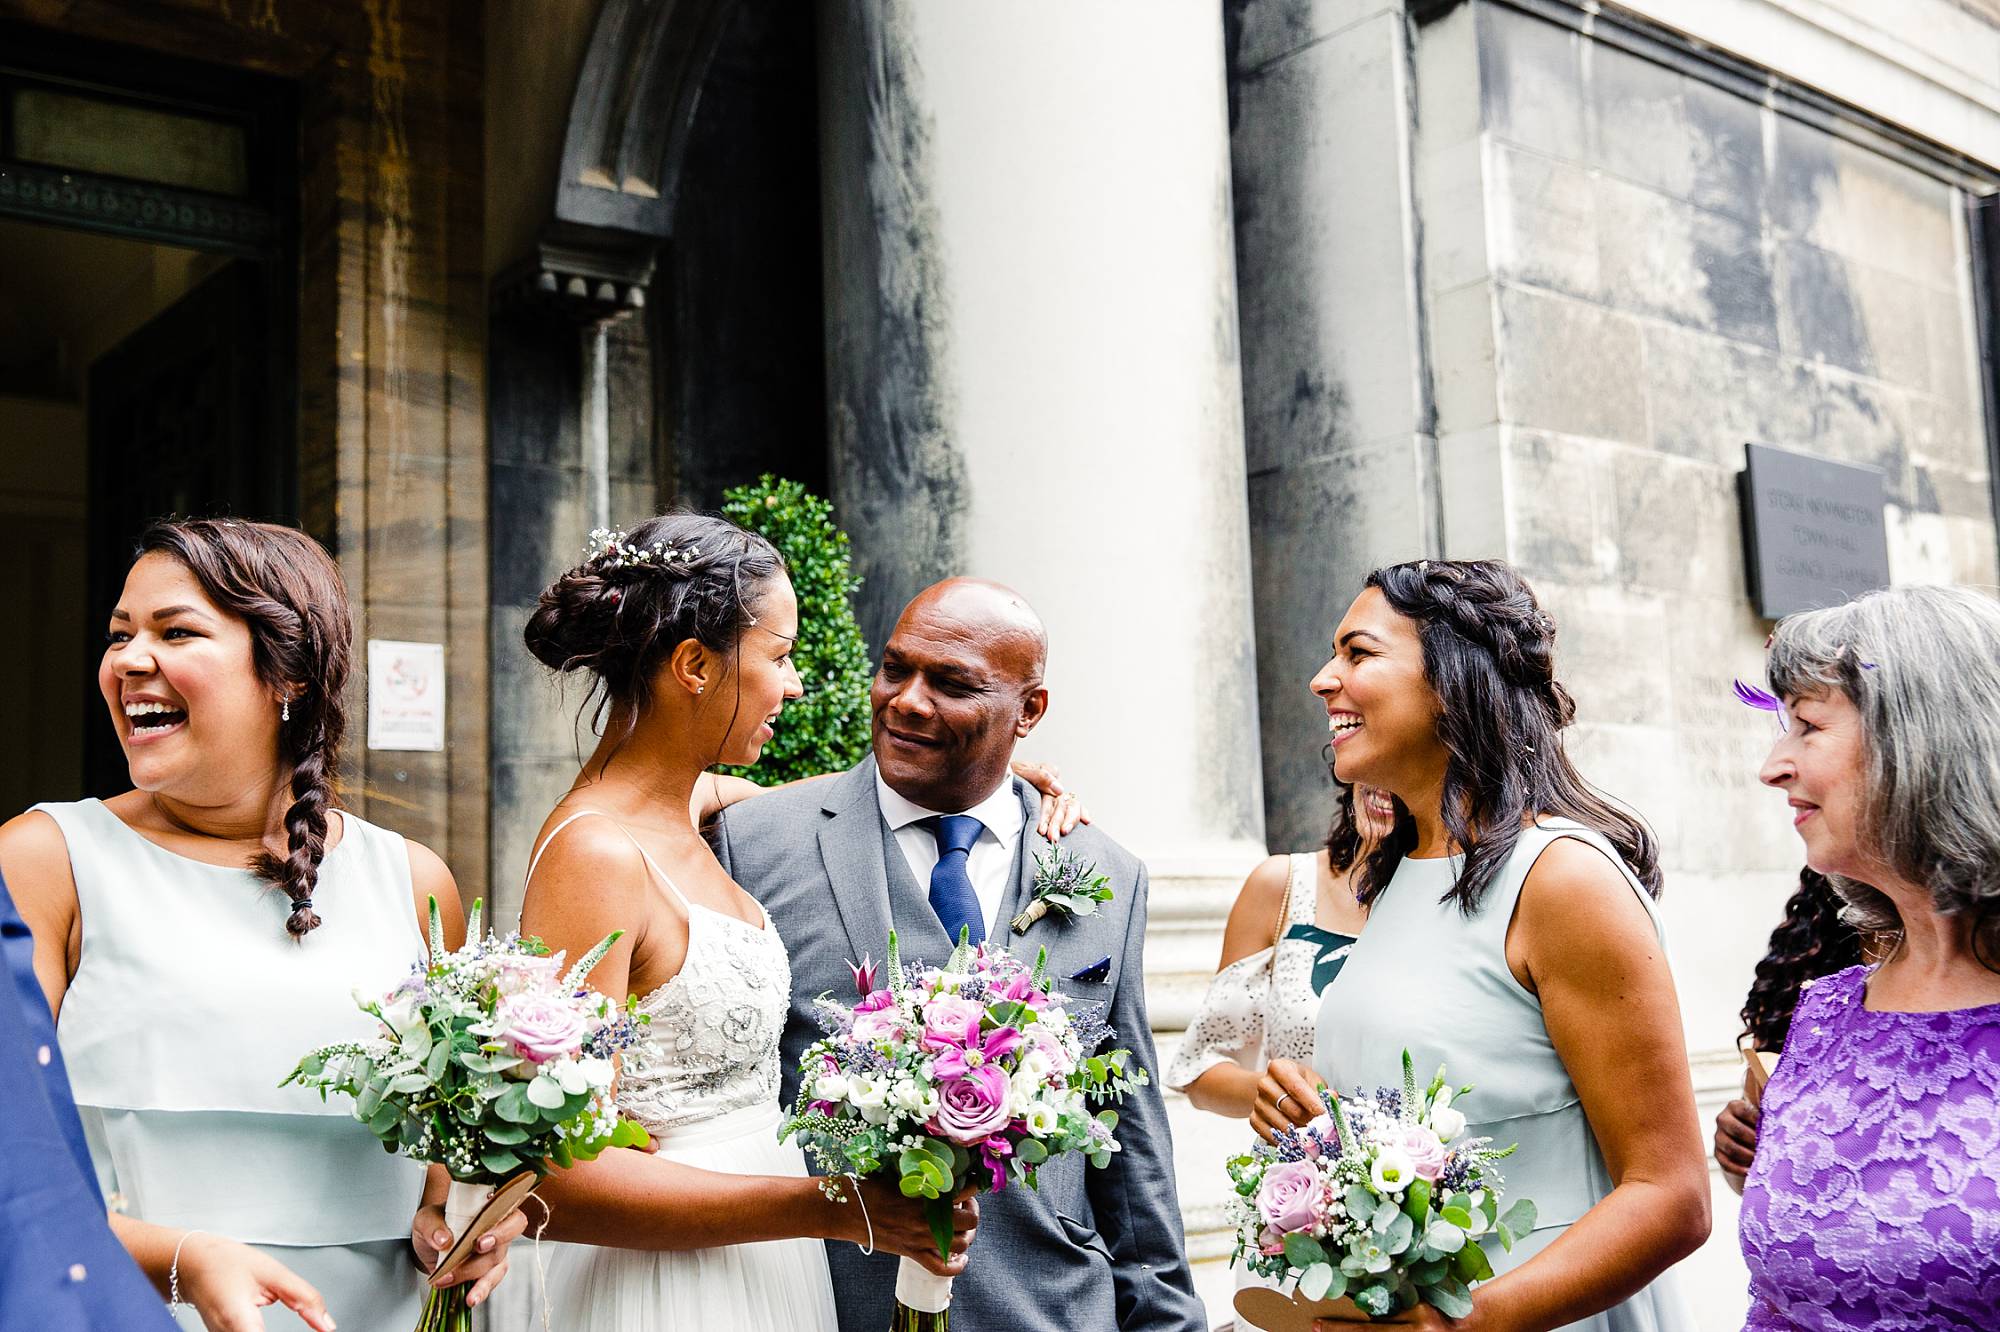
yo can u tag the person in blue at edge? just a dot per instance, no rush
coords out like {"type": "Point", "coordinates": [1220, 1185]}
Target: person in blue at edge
{"type": "Point", "coordinates": [62, 1267]}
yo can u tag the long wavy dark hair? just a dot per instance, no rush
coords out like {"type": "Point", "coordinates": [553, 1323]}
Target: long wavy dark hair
{"type": "Point", "coordinates": [1812, 941]}
{"type": "Point", "coordinates": [287, 589]}
{"type": "Point", "coordinates": [1489, 655]}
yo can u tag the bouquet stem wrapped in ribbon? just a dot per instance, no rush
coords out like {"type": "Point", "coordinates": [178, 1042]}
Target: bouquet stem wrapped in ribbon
{"type": "Point", "coordinates": [1379, 1204]}
{"type": "Point", "coordinates": [969, 1075]}
{"type": "Point", "coordinates": [493, 1063]}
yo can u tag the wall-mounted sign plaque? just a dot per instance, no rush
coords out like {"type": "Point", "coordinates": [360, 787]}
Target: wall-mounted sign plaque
{"type": "Point", "coordinates": [1813, 530]}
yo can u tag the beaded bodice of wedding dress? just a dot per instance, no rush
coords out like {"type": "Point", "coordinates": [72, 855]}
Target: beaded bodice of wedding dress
{"type": "Point", "coordinates": [712, 1044]}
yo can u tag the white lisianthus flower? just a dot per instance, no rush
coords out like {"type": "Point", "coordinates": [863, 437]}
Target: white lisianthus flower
{"type": "Point", "coordinates": [569, 1075]}
{"type": "Point", "coordinates": [1392, 1170]}
{"type": "Point", "coordinates": [870, 1096]}
{"type": "Point", "coordinates": [830, 1087]}
{"type": "Point", "coordinates": [1035, 1065]}
{"type": "Point", "coordinates": [400, 1015]}
{"type": "Point", "coordinates": [1042, 1119]}
{"type": "Point", "coordinates": [1447, 1122]}
{"type": "Point", "coordinates": [598, 1074]}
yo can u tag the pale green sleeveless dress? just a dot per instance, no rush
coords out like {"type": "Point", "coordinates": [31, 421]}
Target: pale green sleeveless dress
{"type": "Point", "coordinates": [1426, 977]}
{"type": "Point", "coordinates": [190, 1004]}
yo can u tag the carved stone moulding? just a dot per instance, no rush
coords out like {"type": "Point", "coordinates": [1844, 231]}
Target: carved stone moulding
{"type": "Point", "coordinates": [588, 273]}
{"type": "Point", "coordinates": [126, 208]}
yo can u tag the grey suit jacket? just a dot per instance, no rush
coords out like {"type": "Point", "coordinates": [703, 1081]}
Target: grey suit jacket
{"type": "Point", "coordinates": [1091, 1249]}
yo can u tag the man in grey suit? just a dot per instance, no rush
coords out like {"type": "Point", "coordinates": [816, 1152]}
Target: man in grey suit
{"type": "Point", "coordinates": [931, 832]}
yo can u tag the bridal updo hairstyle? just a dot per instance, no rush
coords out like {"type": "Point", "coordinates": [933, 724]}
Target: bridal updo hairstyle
{"type": "Point", "coordinates": [287, 589]}
{"type": "Point", "coordinates": [1489, 655]}
{"type": "Point", "coordinates": [620, 618]}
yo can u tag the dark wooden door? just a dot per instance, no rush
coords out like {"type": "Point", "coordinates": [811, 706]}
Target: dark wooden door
{"type": "Point", "coordinates": [187, 417]}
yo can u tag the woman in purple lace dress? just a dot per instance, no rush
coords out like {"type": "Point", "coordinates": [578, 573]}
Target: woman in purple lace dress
{"type": "Point", "coordinates": [1874, 1199]}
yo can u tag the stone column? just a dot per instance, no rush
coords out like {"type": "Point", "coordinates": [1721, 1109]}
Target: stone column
{"type": "Point", "coordinates": [1032, 376]}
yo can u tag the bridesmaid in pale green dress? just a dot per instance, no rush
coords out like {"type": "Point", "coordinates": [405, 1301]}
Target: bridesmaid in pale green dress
{"type": "Point", "coordinates": [200, 932]}
{"type": "Point", "coordinates": [1512, 937]}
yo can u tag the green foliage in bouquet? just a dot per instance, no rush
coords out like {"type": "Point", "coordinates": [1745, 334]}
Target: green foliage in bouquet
{"type": "Point", "coordinates": [441, 1088]}
{"type": "Point", "coordinates": [827, 730]}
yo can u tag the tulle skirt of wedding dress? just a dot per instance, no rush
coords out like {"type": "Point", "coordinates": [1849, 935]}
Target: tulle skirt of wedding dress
{"type": "Point", "coordinates": [776, 1286]}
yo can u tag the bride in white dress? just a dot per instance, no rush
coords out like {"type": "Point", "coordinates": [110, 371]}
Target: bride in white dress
{"type": "Point", "coordinates": [685, 626]}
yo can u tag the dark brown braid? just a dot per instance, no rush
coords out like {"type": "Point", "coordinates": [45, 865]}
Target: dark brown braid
{"type": "Point", "coordinates": [1489, 655]}
{"type": "Point", "coordinates": [1812, 941]}
{"type": "Point", "coordinates": [287, 589]}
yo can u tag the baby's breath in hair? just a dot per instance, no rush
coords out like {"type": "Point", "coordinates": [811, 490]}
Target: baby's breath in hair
{"type": "Point", "coordinates": [615, 549]}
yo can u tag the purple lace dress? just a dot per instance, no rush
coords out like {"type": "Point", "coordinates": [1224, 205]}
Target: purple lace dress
{"type": "Point", "coordinates": [1874, 1200]}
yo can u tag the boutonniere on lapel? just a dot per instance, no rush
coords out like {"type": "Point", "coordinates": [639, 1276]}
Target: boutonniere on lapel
{"type": "Point", "coordinates": [1065, 882]}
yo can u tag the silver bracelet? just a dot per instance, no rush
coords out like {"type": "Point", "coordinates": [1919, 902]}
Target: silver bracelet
{"type": "Point", "coordinates": [862, 1203]}
{"type": "Point", "coordinates": [174, 1271]}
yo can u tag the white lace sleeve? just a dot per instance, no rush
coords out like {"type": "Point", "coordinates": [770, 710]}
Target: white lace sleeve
{"type": "Point", "coordinates": [1229, 1026]}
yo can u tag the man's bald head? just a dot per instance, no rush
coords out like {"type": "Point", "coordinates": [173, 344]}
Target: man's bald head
{"type": "Point", "coordinates": [960, 683]}
{"type": "Point", "coordinates": [981, 610]}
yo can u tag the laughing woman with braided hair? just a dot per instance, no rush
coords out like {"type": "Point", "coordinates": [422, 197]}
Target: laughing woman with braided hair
{"type": "Point", "coordinates": [196, 934]}
{"type": "Point", "coordinates": [1512, 936]}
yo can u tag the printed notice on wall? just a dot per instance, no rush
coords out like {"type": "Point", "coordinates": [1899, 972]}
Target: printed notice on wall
{"type": "Point", "coordinates": [405, 695]}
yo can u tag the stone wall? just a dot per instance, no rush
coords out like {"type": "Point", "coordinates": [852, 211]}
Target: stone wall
{"type": "Point", "coordinates": [391, 339]}
{"type": "Point", "coordinates": [1653, 271]}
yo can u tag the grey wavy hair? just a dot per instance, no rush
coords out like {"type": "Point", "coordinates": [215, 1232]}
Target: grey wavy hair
{"type": "Point", "coordinates": [1922, 666]}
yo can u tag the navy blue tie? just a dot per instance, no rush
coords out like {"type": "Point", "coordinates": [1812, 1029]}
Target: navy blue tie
{"type": "Point", "coordinates": [957, 906]}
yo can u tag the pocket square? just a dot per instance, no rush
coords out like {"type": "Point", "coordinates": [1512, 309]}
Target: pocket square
{"type": "Point", "coordinates": [1096, 971]}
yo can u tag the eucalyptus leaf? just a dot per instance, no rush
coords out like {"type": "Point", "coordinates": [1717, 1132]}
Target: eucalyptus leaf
{"type": "Point", "coordinates": [546, 1093]}
{"type": "Point", "coordinates": [1520, 1218]}
{"type": "Point", "coordinates": [514, 1105]}
{"type": "Point", "coordinates": [1304, 1251]}
{"type": "Point", "coordinates": [1450, 1298]}
{"type": "Point", "coordinates": [1445, 1237]}
{"type": "Point", "coordinates": [1316, 1280]}
{"type": "Point", "coordinates": [1471, 1264]}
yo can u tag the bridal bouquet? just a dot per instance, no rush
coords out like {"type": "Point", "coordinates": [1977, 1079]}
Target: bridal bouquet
{"type": "Point", "coordinates": [1379, 1203]}
{"type": "Point", "coordinates": [973, 1074]}
{"type": "Point", "coordinates": [495, 1064]}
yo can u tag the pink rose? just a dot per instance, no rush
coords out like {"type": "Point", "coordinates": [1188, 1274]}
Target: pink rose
{"type": "Point", "coordinates": [971, 1107]}
{"type": "Point", "coordinates": [950, 1021]}
{"type": "Point", "coordinates": [1050, 1044]}
{"type": "Point", "coordinates": [1290, 1197]}
{"type": "Point", "coordinates": [538, 1027]}
{"type": "Point", "coordinates": [1426, 1153]}
{"type": "Point", "coordinates": [518, 973]}
{"type": "Point", "coordinates": [877, 1024]}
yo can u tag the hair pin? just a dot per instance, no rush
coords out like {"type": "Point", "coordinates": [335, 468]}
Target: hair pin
{"type": "Point", "coordinates": [616, 548]}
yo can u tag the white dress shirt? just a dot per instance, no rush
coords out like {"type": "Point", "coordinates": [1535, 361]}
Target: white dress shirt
{"type": "Point", "coordinates": [991, 862]}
